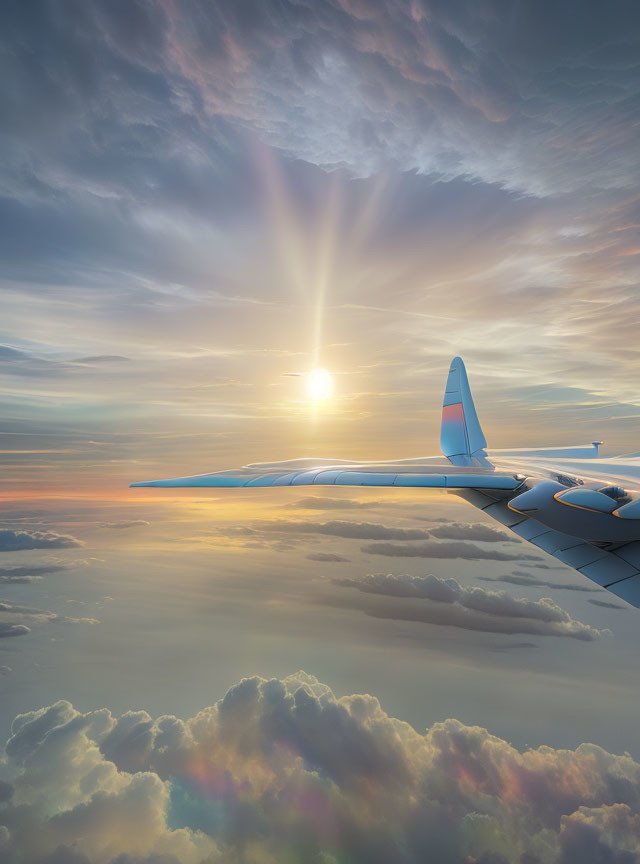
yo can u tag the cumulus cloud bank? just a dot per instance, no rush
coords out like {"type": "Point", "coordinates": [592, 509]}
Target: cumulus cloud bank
{"type": "Point", "coordinates": [284, 771]}
{"type": "Point", "coordinates": [472, 608]}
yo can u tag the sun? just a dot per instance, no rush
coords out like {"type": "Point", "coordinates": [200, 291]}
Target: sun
{"type": "Point", "coordinates": [319, 385]}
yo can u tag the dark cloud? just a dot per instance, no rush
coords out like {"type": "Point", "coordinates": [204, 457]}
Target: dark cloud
{"type": "Point", "coordinates": [8, 629]}
{"type": "Point", "coordinates": [471, 531]}
{"type": "Point", "coordinates": [585, 835]}
{"type": "Point", "coordinates": [25, 574]}
{"type": "Point", "coordinates": [327, 557]}
{"type": "Point", "coordinates": [70, 855]}
{"type": "Point", "coordinates": [102, 358]}
{"type": "Point", "coordinates": [348, 530]}
{"type": "Point", "coordinates": [390, 585]}
{"type": "Point", "coordinates": [8, 354]}
{"type": "Point", "coordinates": [542, 617]}
{"type": "Point", "coordinates": [377, 531]}
{"type": "Point", "coordinates": [126, 523]}
{"type": "Point", "coordinates": [443, 549]}
{"type": "Point", "coordinates": [501, 648]}
{"type": "Point", "coordinates": [521, 577]}
{"type": "Point", "coordinates": [32, 616]}
{"type": "Point", "coordinates": [316, 502]}
{"type": "Point", "coordinates": [18, 540]}
{"type": "Point", "coordinates": [606, 605]}
{"type": "Point", "coordinates": [294, 768]}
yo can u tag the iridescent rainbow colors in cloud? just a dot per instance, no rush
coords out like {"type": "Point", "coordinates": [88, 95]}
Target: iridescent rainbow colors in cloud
{"type": "Point", "coordinates": [283, 771]}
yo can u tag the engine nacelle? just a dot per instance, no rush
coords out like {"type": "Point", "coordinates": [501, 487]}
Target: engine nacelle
{"type": "Point", "coordinates": [581, 511]}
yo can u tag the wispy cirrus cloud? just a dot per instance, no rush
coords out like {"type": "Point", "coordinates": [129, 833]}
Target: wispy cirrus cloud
{"type": "Point", "coordinates": [461, 91]}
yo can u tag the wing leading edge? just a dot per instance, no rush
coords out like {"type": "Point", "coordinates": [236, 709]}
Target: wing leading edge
{"type": "Point", "coordinates": [366, 474]}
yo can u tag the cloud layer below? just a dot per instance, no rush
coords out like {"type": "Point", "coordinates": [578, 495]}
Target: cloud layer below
{"type": "Point", "coordinates": [283, 770]}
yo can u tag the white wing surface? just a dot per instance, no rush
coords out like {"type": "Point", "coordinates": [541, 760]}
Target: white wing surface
{"type": "Point", "coordinates": [305, 472]}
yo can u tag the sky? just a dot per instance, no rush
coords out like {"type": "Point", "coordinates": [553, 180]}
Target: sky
{"type": "Point", "coordinates": [200, 203]}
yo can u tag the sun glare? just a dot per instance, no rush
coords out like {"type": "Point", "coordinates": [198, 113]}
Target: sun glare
{"type": "Point", "coordinates": [319, 385]}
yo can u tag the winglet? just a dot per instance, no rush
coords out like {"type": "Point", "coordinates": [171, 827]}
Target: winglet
{"type": "Point", "coordinates": [461, 437]}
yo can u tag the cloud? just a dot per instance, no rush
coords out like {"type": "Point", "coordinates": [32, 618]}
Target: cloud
{"type": "Point", "coordinates": [317, 502]}
{"type": "Point", "coordinates": [126, 523]}
{"type": "Point", "coordinates": [102, 358]}
{"type": "Point", "coordinates": [15, 575]}
{"type": "Point", "coordinates": [377, 531]}
{"type": "Point", "coordinates": [32, 616]}
{"type": "Point", "coordinates": [456, 91]}
{"type": "Point", "coordinates": [521, 577]}
{"type": "Point", "coordinates": [21, 539]}
{"type": "Point", "coordinates": [8, 629]}
{"type": "Point", "coordinates": [499, 612]}
{"type": "Point", "coordinates": [503, 647]}
{"type": "Point", "coordinates": [284, 770]}
{"type": "Point", "coordinates": [328, 557]}
{"type": "Point", "coordinates": [604, 604]}
{"type": "Point", "coordinates": [438, 549]}
{"type": "Point", "coordinates": [471, 531]}
{"type": "Point", "coordinates": [586, 835]}
{"type": "Point", "coordinates": [348, 530]}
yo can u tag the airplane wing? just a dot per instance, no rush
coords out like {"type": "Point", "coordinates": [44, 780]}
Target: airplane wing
{"type": "Point", "coordinates": [328, 473]}
{"type": "Point", "coordinates": [589, 525]}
